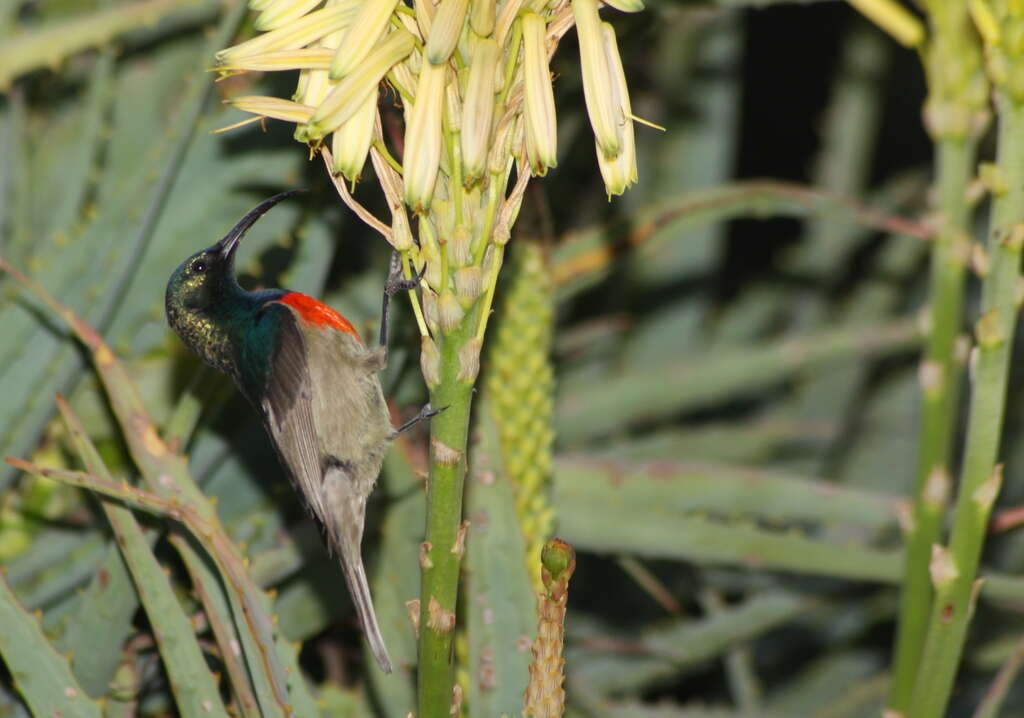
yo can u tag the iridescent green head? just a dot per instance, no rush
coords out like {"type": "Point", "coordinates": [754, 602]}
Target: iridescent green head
{"type": "Point", "coordinates": [205, 283]}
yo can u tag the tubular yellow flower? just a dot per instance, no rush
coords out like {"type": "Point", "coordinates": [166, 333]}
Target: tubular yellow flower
{"type": "Point", "coordinates": [478, 110]}
{"type": "Point", "coordinates": [984, 20]}
{"type": "Point", "coordinates": [350, 94]}
{"type": "Point", "coordinates": [469, 285]}
{"type": "Point", "coordinates": [596, 86]}
{"type": "Point", "coordinates": [449, 312]}
{"type": "Point", "coordinates": [481, 17]}
{"type": "Point", "coordinates": [400, 230]}
{"type": "Point", "coordinates": [350, 143]}
{"type": "Point", "coordinates": [626, 5]}
{"type": "Point", "coordinates": [539, 101]}
{"type": "Point", "coordinates": [313, 88]}
{"type": "Point", "coordinates": [895, 19]}
{"type": "Point", "coordinates": [618, 173]}
{"type": "Point", "coordinates": [423, 137]}
{"type": "Point", "coordinates": [259, 5]}
{"type": "Point", "coordinates": [300, 33]}
{"type": "Point", "coordinates": [273, 107]}
{"type": "Point", "coordinates": [446, 30]}
{"type": "Point", "coordinates": [364, 32]}
{"type": "Point", "coordinates": [281, 12]}
{"type": "Point", "coordinates": [425, 12]}
{"type": "Point", "coordinates": [314, 58]}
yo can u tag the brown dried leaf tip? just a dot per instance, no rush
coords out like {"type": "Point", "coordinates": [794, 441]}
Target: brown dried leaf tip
{"type": "Point", "coordinates": [545, 697]}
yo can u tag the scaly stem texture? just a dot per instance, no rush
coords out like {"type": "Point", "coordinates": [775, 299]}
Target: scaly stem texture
{"type": "Point", "coordinates": [954, 112]}
{"type": "Point", "coordinates": [954, 571]}
{"type": "Point", "coordinates": [940, 379]}
{"type": "Point", "coordinates": [443, 557]}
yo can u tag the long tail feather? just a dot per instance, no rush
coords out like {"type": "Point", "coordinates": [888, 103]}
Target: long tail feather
{"type": "Point", "coordinates": [345, 529]}
{"type": "Point", "coordinates": [355, 577]}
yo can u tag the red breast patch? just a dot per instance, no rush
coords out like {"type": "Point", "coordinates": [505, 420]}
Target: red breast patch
{"type": "Point", "coordinates": [317, 313]}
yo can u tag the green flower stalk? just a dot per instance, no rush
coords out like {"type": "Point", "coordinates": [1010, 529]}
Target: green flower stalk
{"type": "Point", "coordinates": [956, 112]}
{"type": "Point", "coordinates": [474, 80]}
{"type": "Point", "coordinates": [954, 568]}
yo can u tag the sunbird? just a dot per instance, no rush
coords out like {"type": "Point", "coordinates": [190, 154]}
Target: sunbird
{"type": "Point", "coordinates": [312, 380]}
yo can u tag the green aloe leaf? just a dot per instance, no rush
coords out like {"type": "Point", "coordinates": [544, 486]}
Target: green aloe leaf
{"type": "Point", "coordinates": [42, 675]}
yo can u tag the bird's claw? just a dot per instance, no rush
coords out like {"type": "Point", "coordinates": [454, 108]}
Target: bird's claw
{"type": "Point", "coordinates": [396, 282]}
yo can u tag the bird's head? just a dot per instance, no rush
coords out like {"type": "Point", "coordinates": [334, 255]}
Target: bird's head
{"type": "Point", "coordinates": [205, 278]}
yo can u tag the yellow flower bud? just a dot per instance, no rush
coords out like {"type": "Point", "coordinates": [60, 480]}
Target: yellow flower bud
{"type": "Point", "coordinates": [460, 246]}
{"type": "Point", "coordinates": [280, 13]}
{"type": "Point", "coordinates": [506, 136]}
{"type": "Point", "coordinates": [985, 21]}
{"type": "Point", "coordinates": [364, 32]}
{"type": "Point", "coordinates": [445, 30]}
{"type": "Point", "coordinates": [430, 360]}
{"type": "Point", "coordinates": [273, 107]}
{"type": "Point", "coordinates": [620, 172]}
{"type": "Point", "coordinates": [430, 253]}
{"type": "Point", "coordinates": [425, 12]}
{"type": "Point", "coordinates": [894, 19]}
{"type": "Point", "coordinates": [400, 232]}
{"type": "Point", "coordinates": [313, 88]}
{"type": "Point", "coordinates": [481, 17]}
{"type": "Point", "coordinates": [469, 284]}
{"type": "Point", "coordinates": [315, 58]}
{"type": "Point", "coordinates": [299, 33]}
{"type": "Point", "coordinates": [351, 142]}
{"type": "Point", "coordinates": [626, 5]}
{"type": "Point", "coordinates": [478, 110]}
{"type": "Point", "coordinates": [539, 101]}
{"type": "Point", "coordinates": [449, 312]}
{"type": "Point", "coordinates": [597, 88]}
{"type": "Point", "coordinates": [350, 94]}
{"type": "Point", "coordinates": [422, 155]}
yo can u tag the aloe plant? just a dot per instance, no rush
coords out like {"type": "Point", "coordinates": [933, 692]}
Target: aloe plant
{"type": "Point", "coordinates": [720, 387]}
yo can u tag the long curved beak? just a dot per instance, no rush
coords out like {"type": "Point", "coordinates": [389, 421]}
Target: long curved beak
{"type": "Point", "coordinates": [229, 243]}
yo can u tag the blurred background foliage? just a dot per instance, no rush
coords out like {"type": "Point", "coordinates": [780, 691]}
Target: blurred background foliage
{"type": "Point", "coordinates": [734, 342]}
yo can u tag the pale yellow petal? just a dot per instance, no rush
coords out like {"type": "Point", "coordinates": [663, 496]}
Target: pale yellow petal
{"type": "Point", "coordinates": [422, 155]}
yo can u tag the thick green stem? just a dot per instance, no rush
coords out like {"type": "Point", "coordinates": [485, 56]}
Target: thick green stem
{"type": "Point", "coordinates": [954, 571]}
{"type": "Point", "coordinates": [442, 556]}
{"type": "Point", "coordinates": [940, 379]}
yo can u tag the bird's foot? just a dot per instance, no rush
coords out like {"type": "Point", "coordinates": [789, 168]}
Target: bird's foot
{"type": "Point", "coordinates": [425, 413]}
{"type": "Point", "coordinates": [396, 282]}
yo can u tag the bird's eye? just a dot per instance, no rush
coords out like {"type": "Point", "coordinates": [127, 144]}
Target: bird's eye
{"type": "Point", "coordinates": [199, 267]}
